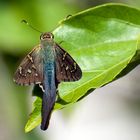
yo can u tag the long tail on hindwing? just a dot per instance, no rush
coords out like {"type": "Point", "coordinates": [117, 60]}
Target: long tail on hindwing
{"type": "Point", "coordinates": [48, 102]}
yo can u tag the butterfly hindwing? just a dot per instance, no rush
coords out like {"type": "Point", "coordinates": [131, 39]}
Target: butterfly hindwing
{"type": "Point", "coordinates": [66, 67]}
{"type": "Point", "coordinates": [31, 69]}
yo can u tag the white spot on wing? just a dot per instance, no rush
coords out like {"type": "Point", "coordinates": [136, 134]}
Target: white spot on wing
{"type": "Point", "coordinates": [29, 71]}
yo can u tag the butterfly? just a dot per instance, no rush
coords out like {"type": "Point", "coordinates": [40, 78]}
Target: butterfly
{"type": "Point", "coordinates": [47, 65]}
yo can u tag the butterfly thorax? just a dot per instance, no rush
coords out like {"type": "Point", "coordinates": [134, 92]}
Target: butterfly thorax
{"type": "Point", "coordinates": [48, 51]}
{"type": "Point", "coordinates": [47, 46]}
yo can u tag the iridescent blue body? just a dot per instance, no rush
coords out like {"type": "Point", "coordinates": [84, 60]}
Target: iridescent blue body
{"type": "Point", "coordinates": [49, 68]}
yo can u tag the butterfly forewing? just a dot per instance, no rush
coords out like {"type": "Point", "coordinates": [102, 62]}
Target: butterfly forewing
{"type": "Point", "coordinates": [31, 69]}
{"type": "Point", "coordinates": [66, 68]}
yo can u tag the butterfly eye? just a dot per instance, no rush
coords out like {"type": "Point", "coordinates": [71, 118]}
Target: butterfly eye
{"type": "Point", "coordinates": [41, 36]}
{"type": "Point", "coordinates": [52, 36]}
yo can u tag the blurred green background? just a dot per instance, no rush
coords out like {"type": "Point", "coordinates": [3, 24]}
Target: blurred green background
{"type": "Point", "coordinates": [17, 39]}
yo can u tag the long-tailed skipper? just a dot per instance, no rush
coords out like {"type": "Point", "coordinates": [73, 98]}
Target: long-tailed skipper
{"type": "Point", "coordinates": [47, 65]}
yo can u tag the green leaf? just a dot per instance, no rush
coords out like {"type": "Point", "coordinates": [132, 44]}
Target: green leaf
{"type": "Point", "coordinates": [103, 40]}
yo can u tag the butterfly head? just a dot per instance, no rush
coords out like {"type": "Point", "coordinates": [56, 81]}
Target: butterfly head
{"type": "Point", "coordinates": [46, 36]}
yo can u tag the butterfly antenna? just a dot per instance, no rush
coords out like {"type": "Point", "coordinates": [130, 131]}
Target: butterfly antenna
{"type": "Point", "coordinates": [24, 21]}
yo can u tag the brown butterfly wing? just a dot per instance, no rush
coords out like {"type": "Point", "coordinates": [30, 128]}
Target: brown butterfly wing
{"type": "Point", "coordinates": [31, 69]}
{"type": "Point", "coordinates": [66, 67]}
